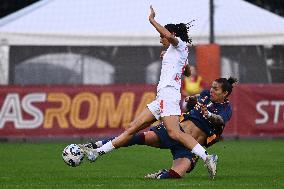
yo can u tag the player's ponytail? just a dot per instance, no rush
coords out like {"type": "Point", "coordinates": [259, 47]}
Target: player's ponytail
{"type": "Point", "coordinates": [232, 80]}
{"type": "Point", "coordinates": [227, 84]}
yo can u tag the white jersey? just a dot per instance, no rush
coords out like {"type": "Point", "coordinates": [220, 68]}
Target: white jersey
{"type": "Point", "coordinates": [174, 60]}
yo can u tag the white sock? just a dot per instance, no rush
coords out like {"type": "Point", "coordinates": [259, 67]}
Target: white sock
{"type": "Point", "coordinates": [200, 151]}
{"type": "Point", "coordinates": [107, 147]}
{"type": "Point", "coordinates": [99, 144]}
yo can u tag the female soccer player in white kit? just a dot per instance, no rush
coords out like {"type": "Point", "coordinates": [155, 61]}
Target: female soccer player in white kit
{"type": "Point", "coordinates": [166, 106]}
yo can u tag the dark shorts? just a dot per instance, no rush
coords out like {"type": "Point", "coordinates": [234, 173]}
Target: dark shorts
{"type": "Point", "coordinates": [177, 149]}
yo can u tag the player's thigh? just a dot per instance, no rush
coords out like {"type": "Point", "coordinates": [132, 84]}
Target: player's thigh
{"type": "Point", "coordinates": [171, 123]}
{"type": "Point", "coordinates": [169, 101]}
{"type": "Point", "coordinates": [142, 121]}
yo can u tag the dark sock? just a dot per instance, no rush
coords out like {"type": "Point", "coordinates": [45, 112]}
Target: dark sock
{"type": "Point", "coordinates": [171, 174]}
{"type": "Point", "coordinates": [138, 138]}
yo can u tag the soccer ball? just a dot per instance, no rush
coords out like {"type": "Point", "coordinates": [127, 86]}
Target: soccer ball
{"type": "Point", "coordinates": [72, 155]}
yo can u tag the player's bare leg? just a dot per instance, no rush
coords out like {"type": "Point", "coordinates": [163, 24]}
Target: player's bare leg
{"type": "Point", "coordinates": [171, 123]}
{"type": "Point", "coordinates": [144, 120]}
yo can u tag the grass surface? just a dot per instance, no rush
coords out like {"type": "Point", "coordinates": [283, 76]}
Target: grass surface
{"type": "Point", "coordinates": [242, 164]}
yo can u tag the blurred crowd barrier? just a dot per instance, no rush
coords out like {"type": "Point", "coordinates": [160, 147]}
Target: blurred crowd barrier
{"type": "Point", "coordinates": [102, 65]}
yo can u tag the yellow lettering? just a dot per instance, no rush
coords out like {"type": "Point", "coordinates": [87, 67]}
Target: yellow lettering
{"type": "Point", "coordinates": [113, 115]}
{"type": "Point", "coordinates": [76, 109]}
{"type": "Point", "coordinates": [58, 113]}
{"type": "Point", "coordinates": [145, 99]}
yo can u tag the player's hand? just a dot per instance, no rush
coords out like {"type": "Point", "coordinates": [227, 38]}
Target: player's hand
{"type": "Point", "coordinates": [204, 111]}
{"type": "Point", "coordinates": [190, 98]}
{"type": "Point", "coordinates": [152, 13]}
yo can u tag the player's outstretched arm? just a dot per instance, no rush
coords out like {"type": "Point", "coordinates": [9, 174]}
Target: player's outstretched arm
{"type": "Point", "coordinates": [215, 119]}
{"type": "Point", "coordinates": [162, 30]}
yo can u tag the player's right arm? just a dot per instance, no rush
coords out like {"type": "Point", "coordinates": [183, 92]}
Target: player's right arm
{"type": "Point", "coordinates": [220, 119]}
{"type": "Point", "coordinates": [162, 30]}
{"type": "Point", "coordinates": [215, 119]}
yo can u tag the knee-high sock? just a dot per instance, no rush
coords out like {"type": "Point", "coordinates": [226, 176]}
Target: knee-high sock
{"type": "Point", "coordinates": [200, 151]}
{"type": "Point", "coordinates": [170, 174]}
{"type": "Point", "coordinates": [138, 138]}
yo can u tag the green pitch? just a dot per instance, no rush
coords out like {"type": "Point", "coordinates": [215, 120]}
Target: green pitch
{"type": "Point", "coordinates": [242, 164]}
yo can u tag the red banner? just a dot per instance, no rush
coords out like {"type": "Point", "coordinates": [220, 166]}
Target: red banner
{"type": "Point", "coordinates": [64, 111]}
{"type": "Point", "coordinates": [70, 111]}
{"type": "Point", "coordinates": [258, 111]}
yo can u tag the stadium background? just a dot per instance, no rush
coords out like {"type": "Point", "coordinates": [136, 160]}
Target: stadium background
{"type": "Point", "coordinates": [55, 93]}
{"type": "Point", "coordinates": [82, 90]}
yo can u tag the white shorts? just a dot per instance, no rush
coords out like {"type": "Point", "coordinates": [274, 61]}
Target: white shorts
{"type": "Point", "coordinates": [167, 103]}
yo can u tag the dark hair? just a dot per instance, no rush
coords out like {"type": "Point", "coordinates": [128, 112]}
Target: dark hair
{"type": "Point", "coordinates": [181, 31]}
{"type": "Point", "coordinates": [227, 84]}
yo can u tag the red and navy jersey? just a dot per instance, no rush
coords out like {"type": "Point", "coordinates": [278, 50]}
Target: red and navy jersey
{"type": "Point", "coordinates": [195, 115]}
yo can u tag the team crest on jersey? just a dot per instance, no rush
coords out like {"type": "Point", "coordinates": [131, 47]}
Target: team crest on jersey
{"type": "Point", "coordinates": [177, 77]}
